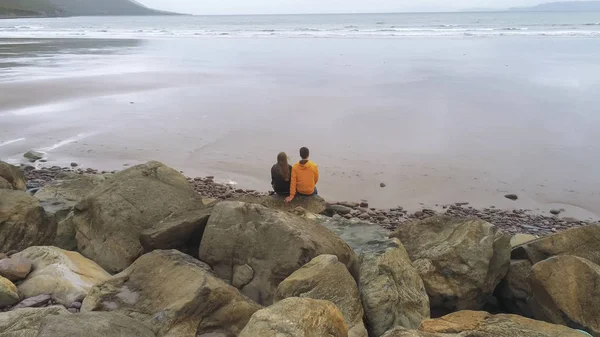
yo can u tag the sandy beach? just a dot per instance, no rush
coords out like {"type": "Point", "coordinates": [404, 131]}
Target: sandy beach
{"type": "Point", "coordinates": [438, 121]}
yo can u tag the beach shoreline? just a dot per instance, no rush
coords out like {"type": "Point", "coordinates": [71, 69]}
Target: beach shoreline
{"type": "Point", "coordinates": [512, 221]}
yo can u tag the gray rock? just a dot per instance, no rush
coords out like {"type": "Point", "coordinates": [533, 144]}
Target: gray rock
{"type": "Point", "coordinates": [93, 324]}
{"type": "Point", "coordinates": [382, 185]}
{"type": "Point", "coordinates": [110, 219]}
{"type": "Point", "coordinates": [511, 196]}
{"type": "Point", "coordinates": [26, 322]}
{"type": "Point", "coordinates": [555, 211]}
{"type": "Point", "coordinates": [24, 222]}
{"type": "Point", "coordinates": [391, 289]}
{"type": "Point", "coordinates": [460, 260]}
{"type": "Point", "coordinates": [33, 155]}
{"type": "Point", "coordinates": [273, 243]}
{"type": "Point", "coordinates": [340, 209]}
{"type": "Point", "coordinates": [33, 302]}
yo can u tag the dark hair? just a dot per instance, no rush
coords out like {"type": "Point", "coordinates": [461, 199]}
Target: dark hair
{"type": "Point", "coordinates": [304, 152]}
{"type": "Point", "coordinates": [284, 167]}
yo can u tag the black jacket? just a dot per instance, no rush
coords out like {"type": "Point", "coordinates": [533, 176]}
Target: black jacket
{"type": "Point", "coordinates": [280, 186]}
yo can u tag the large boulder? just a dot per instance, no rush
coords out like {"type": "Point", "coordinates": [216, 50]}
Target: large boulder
{"type": "Point", "coordinates": [391, 289]}
{"type": "Point", "coordinates": [566, 290]}
{"type": "Point", "coordinates": [66, 275]}
{"type": "Point", "coordinates": [514, 291]}
{"type": "Point", "coordinates": [325, 278]}
{"type": "Point", "coordinates": [182, 232]}
{"type": "Point", "coordinates": [483, 324]}
{"type": "Point", "coordinates": [109, 220]}
{"type": "Point", "coordinates": [93, 324]}
{"type": "Point", "coordinates": [461, 261]}
{"type": "Point", "coordinates": [175, 295]}
{"type": "Point", "coordinates": [5, 185]}
{"type": "Point", "coordinates": [267, 245]}
{"type": "Point", "coordinates": [58, 198]}
{"type": "Point", "coordinates": [297, 317]}
{"type": "Point", "coordinates": [13, 176]}
{"type": "Point", "coordinates": [26, 322]}
{"type": "Point", "coordinates": [23, 222]}
{"type": "Point", "coordinates": [9, 294]}
{"type": "Point", "coordinates": [313, 204]}
{"type": "Point", "coordinates": [580, 241]}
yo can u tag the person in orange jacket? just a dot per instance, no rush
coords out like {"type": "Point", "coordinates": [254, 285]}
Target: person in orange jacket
{"type": "Point", "coordinates": [305, 176]}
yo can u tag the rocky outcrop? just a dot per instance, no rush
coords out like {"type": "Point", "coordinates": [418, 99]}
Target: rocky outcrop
{"type": "Point", "coordinates": [175, 295]}
{"type": "Point", "coordinates": [8, 293]}
{"type": "Point", "coordinates": [58, 198]}
{"type": "Point", "coordinates": [581, 242]}
{"type": "Point", "coordinates": [12, 177]}
{"type": "Point", "coordinates": [26, 322]}
{"type": "Point", "coordinates": [313, 204]}
{"type": "Point", "coordinates": [182, 232]}
{"type": "Point", "coordinates": [461, 261]}
{"type": "Point", "coordinates": [297, 317]}
{"type": "Point", "coordinates": [325, 278]}
{"type": "Point", "coordinates": [93, 324]}
{"type": "Point", "coordinates": [566, 291]}
{"type": "Point", "coordinates": [23, 222]}
{"type": "Point", "coordinates": [514, 290]}
{"type": "Point", "coordinates": [110, 219]}
{"type": "Point", "coordinates": [391, 289]}
{"type": "Point", "coordinates": [272, 243]}
{"type": "Point", "coordinates": [67, 276]}
{"type": "Point", "coordinates": [14, 268]}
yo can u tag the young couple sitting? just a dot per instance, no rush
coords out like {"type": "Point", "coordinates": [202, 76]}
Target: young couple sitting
{"type": "Point", "coordinates": [301, 179]}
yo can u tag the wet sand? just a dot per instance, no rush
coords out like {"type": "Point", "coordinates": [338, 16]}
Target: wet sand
{"type": "Point", "coordinates": [438, 122]}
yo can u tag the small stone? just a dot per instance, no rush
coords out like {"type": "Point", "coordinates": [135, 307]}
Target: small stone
{"type": "Point", "coordinates": [382, 185]}
{"type": "Point", "coordinates": [73, 310]}
{"type": "Point", "coordinates": [74, 164]}
{"type": "Point", "coordinates": [511, 196]}
{"type": "Point", "coordinates": [349, 204]}
{"type": "Point", "coordinates": [555, 211]}
{"type": "Point", "coordinates": [341, 209]}
{"type": "Point", "coordinates": [34, 302]}
{"type": "Point", "coordinates": [461, 204]}
{"type": "Point", "coordinates": [76, 305]}
{"type": "Point", "coordinates": [364, 204]}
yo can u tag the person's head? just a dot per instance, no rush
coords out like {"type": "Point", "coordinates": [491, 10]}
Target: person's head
{"type": "Point", "coordinates": [304, 153]}
{"type": "Point", "coordinates": [284, 168]}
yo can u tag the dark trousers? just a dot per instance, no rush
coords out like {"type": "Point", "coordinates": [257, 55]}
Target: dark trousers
{"type": "Point", "coordinates": [308, 195]}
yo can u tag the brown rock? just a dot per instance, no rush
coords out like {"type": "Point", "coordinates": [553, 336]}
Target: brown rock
{"type": "Point", "coordinates": [581, 242]}
{"type": "Point", "coordinates": [175, 295]}
{"type": "Point", "coordinates": [13, 176]}
{"type": "Point", "coordinates": [391, 289]}
{"type": "Point", "coordinates": [14, 269]}
{"type": "Point", "coordinates": [26, 322]}
{"type": "Point", "coordinates": [24, 223]}
{"type": "Point", "coordinates": [9, 294]}
{"type": "Point", "coordinates": [325, 278]}
{"type": "Point", "coordinates": [182, 232]}
{"type": "Point", "coordinates": [297, 317]}
{"type": "Point", "coordinates": [93, 324]}
{"type": "Point", "coordinates": [565, 291]}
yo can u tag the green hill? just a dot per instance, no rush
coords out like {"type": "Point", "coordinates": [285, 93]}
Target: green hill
{"type": "Point", "coordinates": [43, 8]}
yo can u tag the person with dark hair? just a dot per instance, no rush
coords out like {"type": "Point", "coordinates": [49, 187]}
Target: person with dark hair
{"type": "Point", "coordinates": [281, 174]}
{"type": "Point", "coordinates": [305, 176]}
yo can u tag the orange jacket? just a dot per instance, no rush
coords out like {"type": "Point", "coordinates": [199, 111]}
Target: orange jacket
{"type": "Point", "coordinates": [305, 175]}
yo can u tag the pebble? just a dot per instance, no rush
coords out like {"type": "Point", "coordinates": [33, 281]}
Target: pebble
{"type": "Point", "coordinates": [364, 204]}
{"type": "Point", "coordinates": [73, 310]}
{"type": "Point", "coordinates": [76, 305]}
{"type": "Point", "coordinates": [74, 164]}
{"type": "Point", "coordinates": [555, 211]}
{"type": "Point", "coordinates": [382, 185]}
{"type": "Point", "coordinates": [511, 196]}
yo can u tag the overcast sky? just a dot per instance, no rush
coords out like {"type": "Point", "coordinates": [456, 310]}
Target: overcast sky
{"type": "Point", "coordinates": [327, 6]}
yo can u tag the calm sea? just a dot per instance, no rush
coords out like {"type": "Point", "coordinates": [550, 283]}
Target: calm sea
{"type": "Point", "coordinates": [483, 24]}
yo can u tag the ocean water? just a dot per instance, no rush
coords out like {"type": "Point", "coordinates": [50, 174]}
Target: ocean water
{"type": "Point", "coordinates": [484, 24]}
{"type": "Point", "coordinates": [442, 108]}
